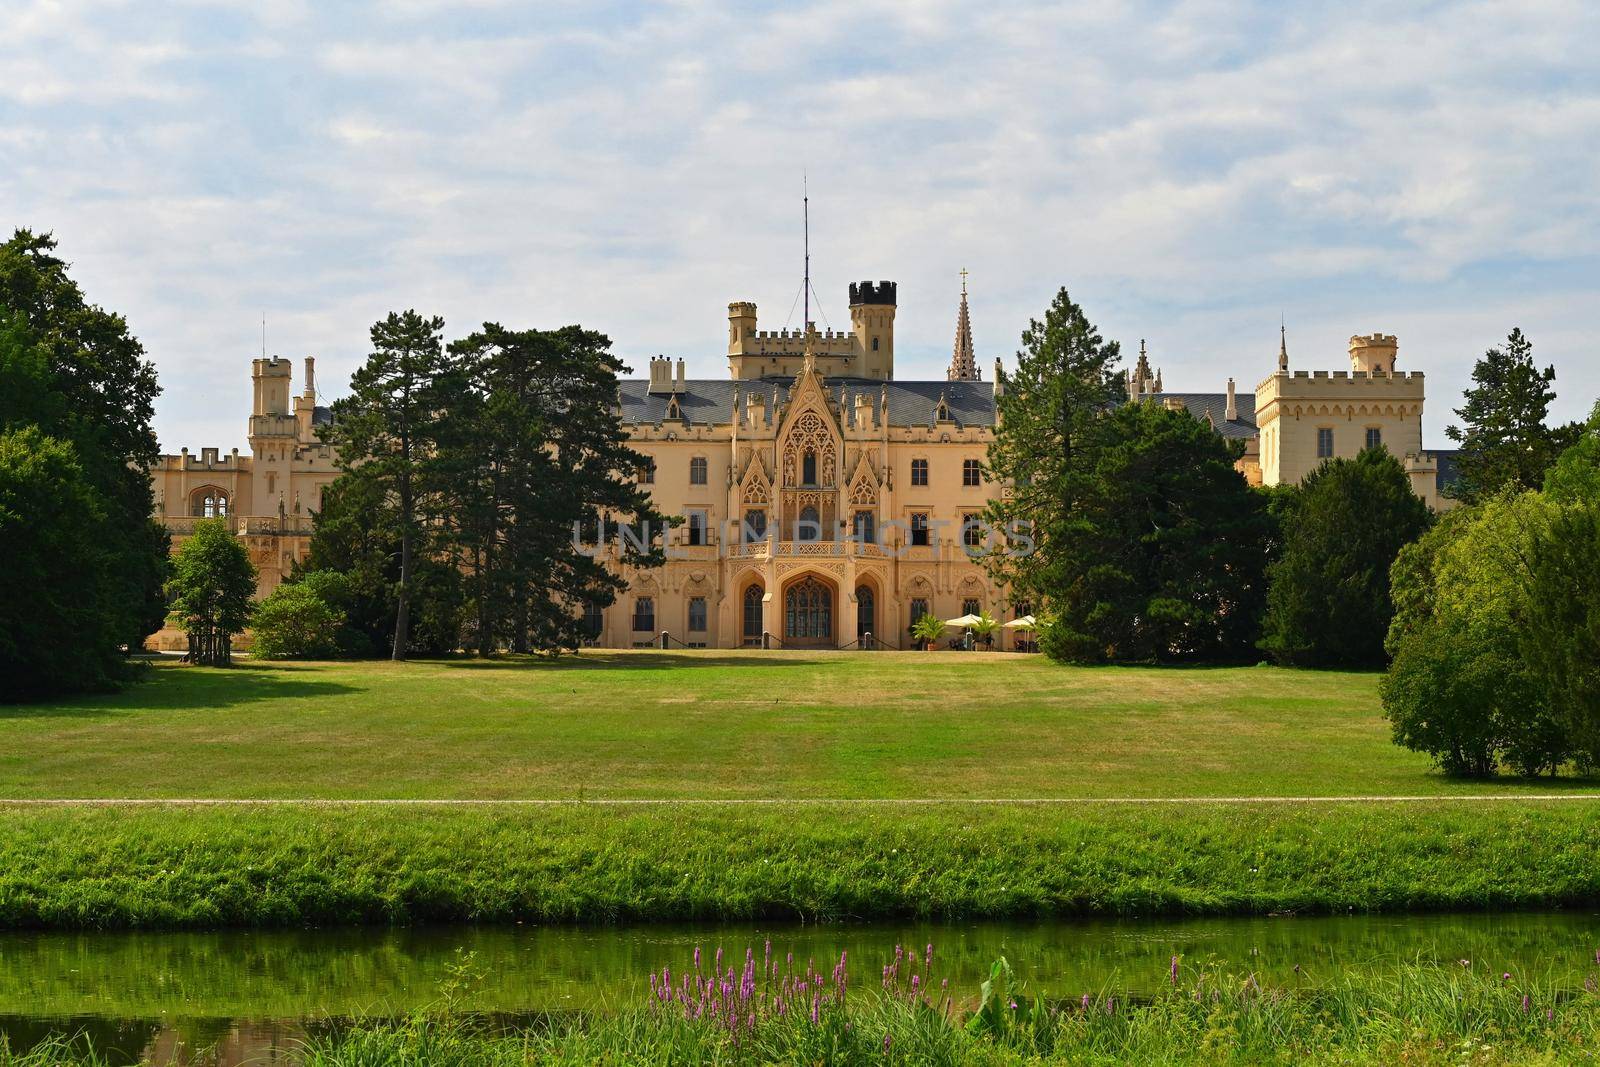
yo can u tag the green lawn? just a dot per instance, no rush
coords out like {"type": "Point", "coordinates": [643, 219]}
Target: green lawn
{"type": "Point", "coordinates": [709, 725]}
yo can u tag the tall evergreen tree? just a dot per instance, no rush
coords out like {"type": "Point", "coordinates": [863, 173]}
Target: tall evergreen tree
{"type": "Point", "coordinates": [1505, 443]}
{"type": "Point", "coordinates": [388, 426]}
{"type": "Point", "coordinates": [97, 391]}
{"type": "Point", "coordinates": [1166, 555]}
{"type": "Point", "coordinates": [540, 461]}
{"type": "Point", "coordinates": [1329, 602]}
{"type": "Point", "coordinates": [356, 535]}
{"type": "Point", "coordinates": [1046, 447]}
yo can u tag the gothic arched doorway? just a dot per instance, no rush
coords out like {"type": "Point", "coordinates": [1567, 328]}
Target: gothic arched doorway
{"type": "Point", "coordinates": [751, 630]}
{"type": "Point", "coordinates": [808, 612]}
{"type": "Point", "coordinates": [866, 621]}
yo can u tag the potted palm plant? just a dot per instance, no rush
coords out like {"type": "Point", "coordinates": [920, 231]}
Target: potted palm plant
{"type": "Point", "coordinates": [927, 631]}
{"type": "Point", "coordinates": [985, 628]}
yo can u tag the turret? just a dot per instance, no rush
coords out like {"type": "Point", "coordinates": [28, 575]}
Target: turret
{"type": "Point", "coordinates": [270, 380]}
{"type": "Point", "coordinates": [741, 326]}
{"type": "Point", "coordinates": [872, 307]}
{"type": "Point", "coordinates": [1373, 355]}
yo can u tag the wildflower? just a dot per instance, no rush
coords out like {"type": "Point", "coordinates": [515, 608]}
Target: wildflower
{"type": "Point", "coordinates": [1086, 1002]}
{"type": "Point", "coordinates": [1013, 1005]}
{"type": "Point", "coordinates": [1111, 1005]}
{"type": "Point", "coordinates": [1172, 972]}
{"type": "Point", "coordinates": [1524, 1003]}
{"type": "Point", "coordinates": [1465, 963]}
{"type": "Point", "coordinates": [697, 957]}
{"type": "Point", "coordinates": [1297, 968]}
{"type": "Point", "coordinates": [886, 1042]}
{"type": "Point", "coordinates": [1549, 1015]}
{"type": "Point", "coordinates": [1506, 977]}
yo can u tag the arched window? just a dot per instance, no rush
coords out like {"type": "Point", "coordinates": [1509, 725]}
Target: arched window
{"type": "Point", "coordinates": [209, 503]}
{"type": "Point", "coordinates": [809, 528]}
{"type": "Point", "coordinates": [865, 621]}
{"type": "Point", "coordinates": [808, 469]}
{"type": "Point", "coordinates": [752, 613]}
{"type": "Point", "coordinates": [808, 611]}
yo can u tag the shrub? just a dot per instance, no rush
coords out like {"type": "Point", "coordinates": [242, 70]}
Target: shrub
{"type": "Point", "coordinates": [304, 620]}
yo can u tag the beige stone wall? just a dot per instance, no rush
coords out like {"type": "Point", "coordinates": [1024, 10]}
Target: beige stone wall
{"type": "Point", "coordinates": [1306, 417]}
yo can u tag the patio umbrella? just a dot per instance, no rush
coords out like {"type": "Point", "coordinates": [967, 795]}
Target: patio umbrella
{"type": "Point", "coordinates": [1025, 623]}
{"type": "Point", "coordinates": [965, 620]}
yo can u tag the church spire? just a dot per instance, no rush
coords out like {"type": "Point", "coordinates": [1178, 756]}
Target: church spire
{"type": "Point", "coordinates": [1283, 347]}
{"type": "Point", "coordinates": [963, 364]}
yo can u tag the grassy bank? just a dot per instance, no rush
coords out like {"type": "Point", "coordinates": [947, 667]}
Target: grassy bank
{"type": "Point", "coordinates": [721, 724]}
{"type": "Point", "coordinates": [1413, 1014]}
{"type": "Point", "coordinates": [179, 867]}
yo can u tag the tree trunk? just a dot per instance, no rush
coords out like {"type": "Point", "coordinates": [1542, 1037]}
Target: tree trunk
{"type": "Point", "coordinates": [402, 614]}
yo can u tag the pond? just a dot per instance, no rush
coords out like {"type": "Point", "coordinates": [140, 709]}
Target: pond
{"type": "Point", "coordinates": [241, 994]}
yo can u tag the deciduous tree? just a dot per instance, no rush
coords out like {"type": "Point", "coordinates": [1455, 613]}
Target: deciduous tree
{"type": "Point", "coordinates": [211, 588]}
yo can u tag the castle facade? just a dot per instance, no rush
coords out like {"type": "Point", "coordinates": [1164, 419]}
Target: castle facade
{"type": "Point", "coordinates": [826, 503]}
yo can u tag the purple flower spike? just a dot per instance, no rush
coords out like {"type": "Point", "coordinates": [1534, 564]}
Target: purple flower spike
{"type": "Point", "coordinates": [1086, 1002]}
{"type": "Point", "coordinates": [1524, 1003]}
{"type": "Point", "coordinates": [886, 1042]}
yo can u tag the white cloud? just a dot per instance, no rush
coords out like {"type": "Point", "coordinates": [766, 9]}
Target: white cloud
{"type": "Point", "coordinates": [1189, 169]}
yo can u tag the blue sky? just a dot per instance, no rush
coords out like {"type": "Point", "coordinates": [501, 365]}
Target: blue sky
{"type": "Point", "coordinates": [1190, 171]}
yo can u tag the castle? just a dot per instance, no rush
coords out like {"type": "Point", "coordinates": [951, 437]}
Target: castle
{"type": "Point", "coordinates": [268, 496]}
{"type": "Point", "coordinates": [826, 504]}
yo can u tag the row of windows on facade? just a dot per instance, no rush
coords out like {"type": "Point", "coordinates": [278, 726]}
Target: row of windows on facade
{"type": "Point", "coordinates": [864, 527]}
{"type": "Point", "coordinates": [808, 611]}
{"type": "Point", "coordinates": [1325, 440]}
{"type": "Point", "coordinates": [971, 471]}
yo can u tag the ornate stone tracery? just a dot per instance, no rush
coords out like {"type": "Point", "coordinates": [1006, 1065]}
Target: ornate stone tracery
{"type": "Point", "coordinates": [809, 433]}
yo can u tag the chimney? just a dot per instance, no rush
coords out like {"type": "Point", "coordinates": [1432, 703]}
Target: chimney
{"type": "Point", "coordinates": [311, 379]}
{"type": "Point", "coordinates": [1232, 414]}
{"type": "Point", "coordinates": [679, 387]}
{"type": "Point", "coordinates": [660, 374]}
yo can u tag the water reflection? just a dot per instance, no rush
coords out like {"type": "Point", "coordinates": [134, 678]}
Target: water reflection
{"type": "Point", "coordinates": [245, 993]}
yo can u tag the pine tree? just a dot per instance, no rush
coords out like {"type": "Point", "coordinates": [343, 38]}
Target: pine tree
{"type": "Point", "coordinates": [538, 464]}
{"type": "Point", "coordinates": [1046, 446]}
{"type": "Point", "coordinates": [1505, 443]}
{"type": "Point", "coordinates": [388, 426]}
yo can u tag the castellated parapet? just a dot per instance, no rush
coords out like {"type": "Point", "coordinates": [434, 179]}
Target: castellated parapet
{"type": "Point", "coordinates": [1305, 417]}
{"type": "Point", "coordinates": [865, 351]}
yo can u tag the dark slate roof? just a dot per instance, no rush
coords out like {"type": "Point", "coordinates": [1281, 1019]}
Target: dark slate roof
{"type": "Point", "coordinates": [710, 400]}
{"type": "Point", "coordinates": [1216, 404]}
{"type": "Point", "coordinates": [321, 416]}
